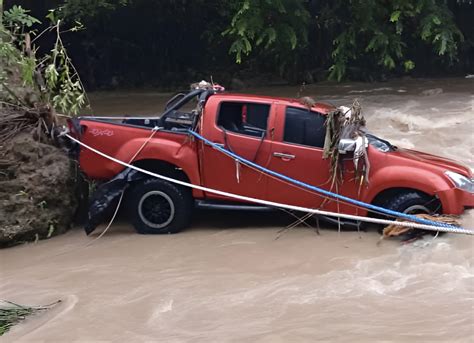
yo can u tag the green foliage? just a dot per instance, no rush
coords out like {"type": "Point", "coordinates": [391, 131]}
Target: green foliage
{"type": "Point", "coordinates": [364, 33]}
{"type": "Point", "coordinates": [27, 67]}
{"type": "Point", "coordinates": [8, 52]}
{"type": "Point", "coordinates": [65, 90]}
{"type": "Point", "coordinates": [18, 17]}
{"type": "Point", "coordinates": [278, 25]}
{"type": "Point", "coordinates": [389, 34]}
{"type": "Point", "coordinates": [82, 9]}
{"type": "Point", "coordinates": [15, 23]}
{"type": "Point", "coordinates": [408, 65]}
{"type": "Point", "coordinates": [53, 74]}
{"type": "Point", "coordinates": [132, 42]}
{"type": "Point", "coordinates": [12, 314]}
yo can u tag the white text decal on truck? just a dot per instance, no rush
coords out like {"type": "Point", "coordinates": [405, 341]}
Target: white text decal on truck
{"type": "Point", "coordinates": [98, 132]}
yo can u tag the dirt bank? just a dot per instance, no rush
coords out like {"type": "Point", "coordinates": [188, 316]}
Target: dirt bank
{"type": "Point", "coordinates": [36, 190]}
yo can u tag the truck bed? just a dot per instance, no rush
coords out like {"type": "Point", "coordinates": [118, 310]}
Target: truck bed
{"type": "Point", "coordinates": [123, 141]}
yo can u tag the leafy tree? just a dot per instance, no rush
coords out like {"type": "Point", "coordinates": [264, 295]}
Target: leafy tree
{"type": "Point", "coordinates": [169, 42]}
{"type": "Point", "coordinates": [87, 9]}
{"type": "Point", "coordinates": [278, 25]}
{"type": "Point", "coordinates": [364, 32]}
{"type": "Point", "coordinates": [51, 76]}
{"type": "Point", "coordinates": [390, 34]}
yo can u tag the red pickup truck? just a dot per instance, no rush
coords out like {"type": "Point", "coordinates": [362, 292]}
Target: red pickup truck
{"type": "Point", "coordinates": [280, 134]}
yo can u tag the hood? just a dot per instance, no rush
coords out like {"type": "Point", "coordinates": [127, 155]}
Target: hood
{"type": "Point", "coordinates": [445, 163]}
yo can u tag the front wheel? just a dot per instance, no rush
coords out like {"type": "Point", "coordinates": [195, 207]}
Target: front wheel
{"type": "Point", "coordinates": [159, 207]}
{"type": "Point", "coordinates": [413, 202]}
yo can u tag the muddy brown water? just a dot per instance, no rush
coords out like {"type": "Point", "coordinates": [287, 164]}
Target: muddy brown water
{"type": "Point", "coordinates": [227, 279]}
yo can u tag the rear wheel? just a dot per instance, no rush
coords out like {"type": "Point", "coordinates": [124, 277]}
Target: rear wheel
{"type": "Point", "coordinates": [159, 207]}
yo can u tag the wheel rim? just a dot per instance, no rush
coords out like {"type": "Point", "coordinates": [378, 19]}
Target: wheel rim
{"type": "Point", "coordinates": [156, 209]}
{"type": "Point", "coordinates": [417, 209]}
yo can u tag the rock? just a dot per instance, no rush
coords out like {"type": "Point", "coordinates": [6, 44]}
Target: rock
{"type": "Point", "coordinates": [37, 190]}
{"type": "Point", "coordinates": [237, 84]}
{"type": "Point", "coordinates": [433, 91]}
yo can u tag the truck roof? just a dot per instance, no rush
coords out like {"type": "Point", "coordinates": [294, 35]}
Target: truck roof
{"type": "Point", "coordinates": [317, 106]}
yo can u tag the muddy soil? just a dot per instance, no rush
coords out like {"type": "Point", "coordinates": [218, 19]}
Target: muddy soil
{"type": "Point", "coordinates": [37, 183]}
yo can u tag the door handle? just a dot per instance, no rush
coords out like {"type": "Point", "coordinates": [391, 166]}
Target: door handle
{"type": "Point", "coordinates": [284, 157]}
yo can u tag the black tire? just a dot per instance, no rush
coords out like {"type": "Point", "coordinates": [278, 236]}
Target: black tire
{"type": "Point", "coordinates": [412, 202]}
{"type": "Point", "coordinates": [159, 207]}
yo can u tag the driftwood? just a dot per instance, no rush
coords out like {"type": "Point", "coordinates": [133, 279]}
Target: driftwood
{"type": "Point", "coordinates": [393, 230]}
{"type": "Point", "coordinates": [16, 119]}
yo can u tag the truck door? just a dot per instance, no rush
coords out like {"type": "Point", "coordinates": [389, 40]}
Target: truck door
{"type": "Point", "coordinates": [297, 152]}
{"type": "Point", "coordinates": [245, 128]}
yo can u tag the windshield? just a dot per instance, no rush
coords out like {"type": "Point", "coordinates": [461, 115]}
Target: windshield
{"type": "Point", "coordinates": [379, 143]}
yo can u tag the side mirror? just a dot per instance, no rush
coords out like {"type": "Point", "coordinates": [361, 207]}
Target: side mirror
{"type": "Point", "coordinates": [346, 145]}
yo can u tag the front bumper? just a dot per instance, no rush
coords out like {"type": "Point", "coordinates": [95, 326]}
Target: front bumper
{"type": "Point", "coordinates": [455, 201]}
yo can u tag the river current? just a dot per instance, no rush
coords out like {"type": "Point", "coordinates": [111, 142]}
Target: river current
{"type": "Point", "coordinates": [228, 279]}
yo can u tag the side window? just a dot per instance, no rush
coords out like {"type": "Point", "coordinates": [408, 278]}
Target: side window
{"type": "Point", "coordinates": [244, 118]}
{"type": "Point", "coordinates": [304, 127]}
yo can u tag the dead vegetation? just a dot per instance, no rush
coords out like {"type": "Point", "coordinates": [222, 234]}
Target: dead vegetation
{"type": "Point", "coordinates": [11, 313]}
{"type": "Point", "coordinates": [346, 123]}
{"type": "Point", "coordinates": [394, 230]}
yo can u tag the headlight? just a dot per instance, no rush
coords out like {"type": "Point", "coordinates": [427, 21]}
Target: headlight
{"type": "Point", "coordinates": [460, 181]}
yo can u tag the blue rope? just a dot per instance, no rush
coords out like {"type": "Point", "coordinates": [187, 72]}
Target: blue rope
{"type": "Point", "coordinates": [320, 190]}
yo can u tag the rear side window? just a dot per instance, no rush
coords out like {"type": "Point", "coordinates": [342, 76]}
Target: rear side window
{"type": "Point", "coordinates": [304, 127]}
{"type": "Point", "coordinates": [245, 118]}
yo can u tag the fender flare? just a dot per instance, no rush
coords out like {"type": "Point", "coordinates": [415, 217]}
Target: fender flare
{"type": "Point", "coordinates": [180, 155]}
{"type": "Point", "coordinates": [416, 179]}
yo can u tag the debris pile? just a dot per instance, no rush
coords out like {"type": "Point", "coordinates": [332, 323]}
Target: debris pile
{"type": "Point", "coordinates": [347, 125]}
{"type": "Point", "coordinates": [15, 119]}
{"type": "Point", "coordinates": [409, 234]}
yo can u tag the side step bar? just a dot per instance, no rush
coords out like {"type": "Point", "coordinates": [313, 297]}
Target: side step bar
{"type": "Point", "coordinates": [210, 205]}
{"type": "Point", "coordinates": [347, 223]}
{"type": "Point", "coordinates": [215, 205]}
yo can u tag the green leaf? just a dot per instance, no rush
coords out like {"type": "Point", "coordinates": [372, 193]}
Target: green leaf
{"type": "Point", "coordinates": [409, 65]}
{"type": "Point", "coordinates": [52, 16]}
{"type": "Point", "coordinates": [395, 16]}
{"type": "Point", "coordinates": [388, 62]}
{"type": "Point", "coordinates": [444, 43]}
{"type": "Point", "coordinates": [436, 20]}
{"type": "Point", "coordinates": [247, 46]}
{"type": "Point", "coordinates": [28, 66]}
{"type": "Point", "coordinates": [19, 16]}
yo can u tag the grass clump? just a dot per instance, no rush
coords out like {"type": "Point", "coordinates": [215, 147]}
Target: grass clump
{"type": "Point", "coordinates": [11, 314]}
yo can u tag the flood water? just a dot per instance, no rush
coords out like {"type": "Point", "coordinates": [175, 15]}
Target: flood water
{"type": "Point", "coordinates": [228, 279]}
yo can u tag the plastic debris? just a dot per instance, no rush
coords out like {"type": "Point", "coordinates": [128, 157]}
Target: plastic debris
{"type": "Point", "coordinates": [106, 195]}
